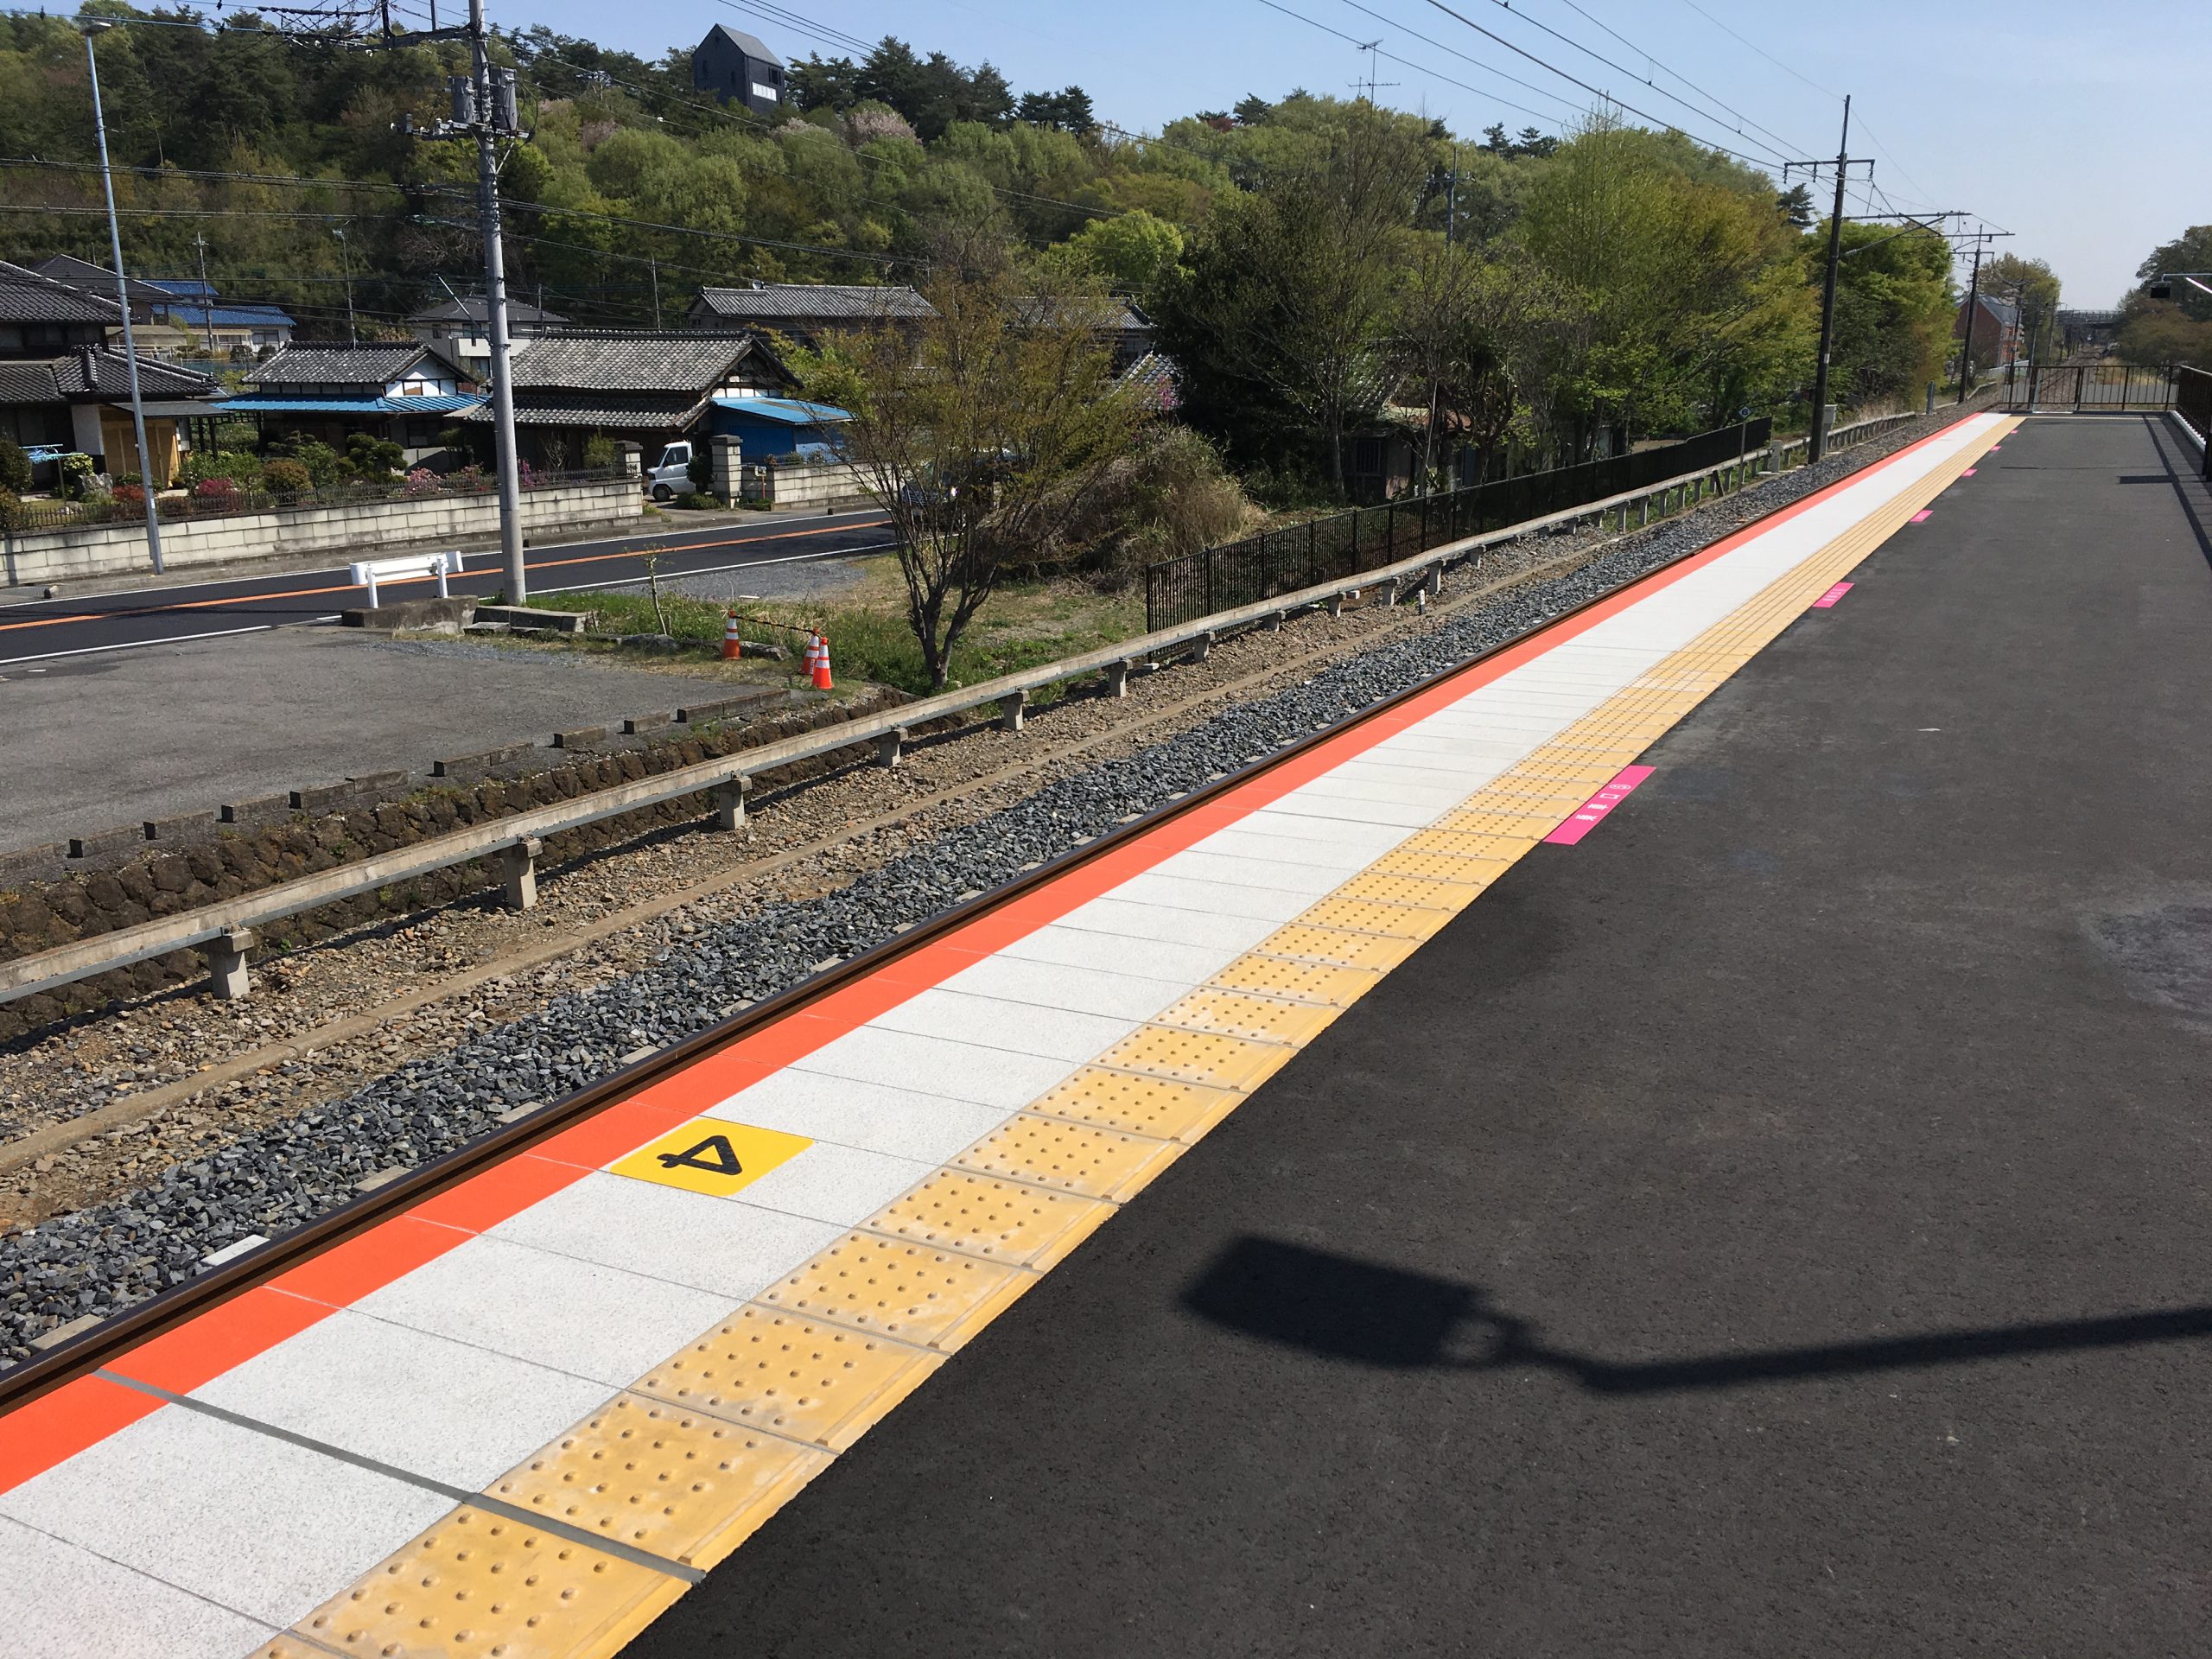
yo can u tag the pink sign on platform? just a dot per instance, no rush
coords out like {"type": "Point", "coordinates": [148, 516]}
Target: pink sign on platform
{"type": "Point", "coordinates": [1969, 472]}
{"type": "Point", "coordinates": [1828, 600]}
{"type": "Point", "coordinates": [1923, 515]}
{"type": "Point", "coordinates": [1584, 817]}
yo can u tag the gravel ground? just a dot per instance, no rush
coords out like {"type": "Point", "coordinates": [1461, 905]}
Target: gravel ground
{"type": "Point", "coordinates": [516, 1040]}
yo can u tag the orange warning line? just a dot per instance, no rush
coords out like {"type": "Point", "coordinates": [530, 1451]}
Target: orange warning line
{"type": "Point", "coordinates": [411, 581]}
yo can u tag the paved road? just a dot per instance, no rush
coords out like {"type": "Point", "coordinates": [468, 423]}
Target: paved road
{"type": "Point", "coordinates": [1776, 1224]}
{"type": "Point", "coordinates": [45, 629]}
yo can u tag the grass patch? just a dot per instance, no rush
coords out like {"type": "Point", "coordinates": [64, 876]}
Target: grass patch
{"type": "Point", "coordinates": [1024, 625]}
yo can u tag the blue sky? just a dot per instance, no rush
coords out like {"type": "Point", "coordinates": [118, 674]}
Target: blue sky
{"type": "Point", "coordinates": [2079, 128]}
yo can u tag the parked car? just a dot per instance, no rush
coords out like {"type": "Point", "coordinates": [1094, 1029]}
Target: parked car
{"type": "Point", "coordinates": [671, 474]}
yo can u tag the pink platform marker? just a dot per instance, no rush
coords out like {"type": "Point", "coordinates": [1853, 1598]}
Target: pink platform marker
{"type": "Point", "coordinates": [1828, 600]}
{"type": "Point", "coordinates": [1969, 471]}
{"type": "Point", "coordinates": [1584, 817]}
{"type": "Point", "coordinates": [1923, 515]}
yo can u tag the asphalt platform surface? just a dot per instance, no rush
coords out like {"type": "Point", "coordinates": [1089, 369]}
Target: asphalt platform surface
{"type": "Point", "coordinates": [1780, 1225]}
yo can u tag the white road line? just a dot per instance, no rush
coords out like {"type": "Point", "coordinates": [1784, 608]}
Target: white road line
{"type": "Point", "coordinates": [167, 639]}
{"type": "Point", "coordinates": [828, 521]}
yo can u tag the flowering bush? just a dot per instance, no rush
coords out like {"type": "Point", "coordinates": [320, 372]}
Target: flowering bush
{"type": "Point", "coordinates": [421, 481]}
{"type": "Point", "coordinates": [215, 495]}
{"type": "Point", "coordinates": [128, 496]}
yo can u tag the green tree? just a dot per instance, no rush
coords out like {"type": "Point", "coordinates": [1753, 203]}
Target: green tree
{"type": "Point", "coordinates": [1128, 252]}
{"type": "Point", "coordinates": [979, 434]}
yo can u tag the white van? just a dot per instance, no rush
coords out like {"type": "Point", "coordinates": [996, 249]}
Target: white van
{"type": "Point", "coordinates": [671, 474]}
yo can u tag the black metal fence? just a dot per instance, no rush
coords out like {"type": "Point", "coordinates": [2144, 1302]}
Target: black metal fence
{"type": "Point", "coordinates": [1324, 550]}
{"type": "Point", "coordinates": [2193, 402]}
{"type": "Point", "coordinates": [2070, 386]}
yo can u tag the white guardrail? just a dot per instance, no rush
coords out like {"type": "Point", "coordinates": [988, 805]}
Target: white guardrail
{"type": "Point", "coordinates": [228, 927]}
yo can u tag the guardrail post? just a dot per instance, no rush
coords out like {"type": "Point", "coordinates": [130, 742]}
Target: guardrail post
{"type": "Point", "coordinates": [1011, 707]}
{"type": "Point", "coordinates": [729, 801]}
{"type": "Point", "coordinates": [227, 970]}
{"type": "Point", "coordinates": [1117, 677]}
{"type": "Point", "coordinates": [889, 747]}
{"type": "Point", "coordinates": [518, 870]}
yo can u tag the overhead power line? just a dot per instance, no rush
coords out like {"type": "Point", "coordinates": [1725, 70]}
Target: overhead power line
{"type": "Point", "coordinates": [1763, 164]}
{"type": "Point", "coordinates": [1789, 147]}
{"type": "Point", "coordinates": [1422, 68]}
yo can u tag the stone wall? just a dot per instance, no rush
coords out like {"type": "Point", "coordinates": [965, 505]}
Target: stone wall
{"type": "Point", "coordinates": [39, 916]}
{"type": "Point", "coordinates": [372, 530]}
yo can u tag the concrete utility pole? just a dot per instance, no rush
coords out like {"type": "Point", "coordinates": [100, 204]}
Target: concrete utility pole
{"type": "Point", "coordinates": [345, 260]}
{"type": "Point", "coordinates": [495, 112]}
{"type": "Point", "coordinates": [122, 298]}
{"type": "Point", "coordinates": [1828, 297]}
{"type": "Point", "coordinates": [1981, 240]}
{"type": "Point", "coordinates": [206, 294]}
{"type": "Point", "coordinates": [484, 109]}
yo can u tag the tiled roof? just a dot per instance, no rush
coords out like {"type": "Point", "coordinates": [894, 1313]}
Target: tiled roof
{"type": "Point", "coordinates": [338, 366]}
{"type": "Point", "coordinates": [1156, 374]}
{"type": "Point", "coordinates": [471, 310]}
{"type": "Point", "coordinates": [101, 375]}
{"type": "Point", "coordinates": [584, 408]}
{"type": "Point", "coordinates": [809, 301]}
{"type": "Point", "coordinates": [615, 361]}
{"type": "Point", "coordinates": [1107, 314]}
{"type": "Point", "coordinates": [27, 296]}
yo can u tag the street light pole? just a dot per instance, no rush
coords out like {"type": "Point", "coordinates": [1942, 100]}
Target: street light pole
{"type": "Point", "coordinates": [122, 298]}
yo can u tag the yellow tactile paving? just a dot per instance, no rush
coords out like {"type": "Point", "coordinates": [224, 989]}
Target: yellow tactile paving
{"type": "Point", "coordinates": [1159, 1107]}
{"type": "Point", "coordinates": [1255, 1018]}
{"type": "Point", "coordinates": [480, 1585]}
{"type": "Point", "coordinates": [1301, 981]}
{"type": "Point", "coordinates": [791, 1376]}
{"type": "Point", "coordinates": [1094, 1162]}
{"type": "Point", "coordinates": [936, 1298]}
{"type": "Point", "coordinates": [999, 1220]}
{"type": "Point", "coordinates": [1427, 892]}
{"type": "Point", "coordinates": [1340, 947]}
{"type": "Point", "coordinates": [1371, 916]}
{"type": "Point", "coordinates": [1203, 1057]}
{"type": "Point", "coordinates": [675, 1483]}
{"type": "Point", "coordinates": [687, 1463]}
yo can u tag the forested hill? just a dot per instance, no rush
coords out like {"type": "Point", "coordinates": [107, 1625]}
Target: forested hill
{"type": "Point", "coordinates": [233, 117]}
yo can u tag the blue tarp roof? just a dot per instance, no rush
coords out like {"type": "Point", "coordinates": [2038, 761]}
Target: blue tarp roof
{"type": "Point", "coordinates": [787, 411]}
{"type": "Point", "coordinates": [255, 403]}
{"type": "Point", "coordinates": [226, 316]}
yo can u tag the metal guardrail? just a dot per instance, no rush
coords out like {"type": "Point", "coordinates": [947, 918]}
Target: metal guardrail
{"type": "Point", "coordinates": [229, 925]}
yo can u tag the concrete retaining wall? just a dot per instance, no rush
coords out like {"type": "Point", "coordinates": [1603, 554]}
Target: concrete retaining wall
{"type": "Point", "coordinates": [374, 528]}
{"type": "Point", "coordinates": [805, 486]}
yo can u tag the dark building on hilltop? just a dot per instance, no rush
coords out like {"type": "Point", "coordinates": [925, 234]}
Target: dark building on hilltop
{"type": "Point", "coordinates": [737, 69]}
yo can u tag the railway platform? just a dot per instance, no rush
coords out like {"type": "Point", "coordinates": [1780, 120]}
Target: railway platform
{"type": "Point", "coordinates": [1683, 1135]}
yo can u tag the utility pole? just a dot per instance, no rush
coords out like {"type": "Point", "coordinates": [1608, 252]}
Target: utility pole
{"type": "Point", "coordinates": [122, 298]}
{"type": "Point", "coordinates": [1981, 240]}
{"type": "Point", "coordinates": [206, 294]}
{"type": "Point", "coordinates": [484, 109]}
{"type": "Point", "coordinates": [1843, 165]}
{"type": "Point", "coordinates": [346, 258]}
{"type": "Point", "coordinates": [653, 265]}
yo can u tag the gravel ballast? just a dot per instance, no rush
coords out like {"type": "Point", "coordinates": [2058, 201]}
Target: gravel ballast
{"type": "Point", "coordinates": [98, 1260]}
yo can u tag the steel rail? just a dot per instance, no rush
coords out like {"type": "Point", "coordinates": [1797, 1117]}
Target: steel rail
{"type": "Point", "coordinates": [82, 1354]}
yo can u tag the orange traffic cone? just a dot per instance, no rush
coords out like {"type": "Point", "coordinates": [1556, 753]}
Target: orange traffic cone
{"type": "Point", "coordinates": [818, 657]}
{"type": "Point", "coordinates": [731, 648]}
